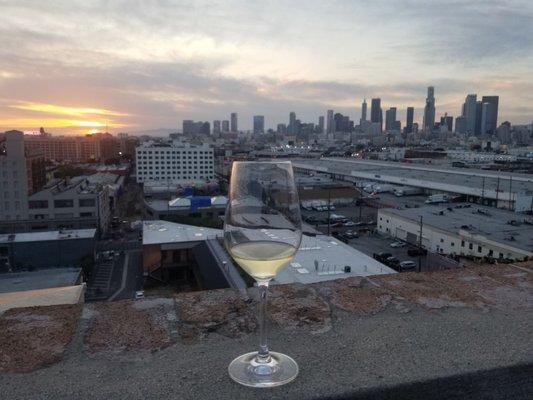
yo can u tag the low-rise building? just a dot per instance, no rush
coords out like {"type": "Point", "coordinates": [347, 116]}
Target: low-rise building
{"type": "Point", "coordinates": [68, 204]}
{"type": "Point", "coordinates": [461, 229]}
{"type": "Point", "coordinates": [31, 250]}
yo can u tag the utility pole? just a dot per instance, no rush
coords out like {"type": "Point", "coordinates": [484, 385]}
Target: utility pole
{"type": "Point", "coordinates": [329, 211]}
{"type": "Point", "coordinates": [483, 192]}
{"type": "Point", "coordinates": [420, 247]}
{"type": "Point", "coordinates": [497, 190]}
{"type": "Point", "coordinates": [510, 189]}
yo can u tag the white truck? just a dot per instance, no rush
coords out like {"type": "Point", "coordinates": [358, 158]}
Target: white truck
{"type": "Point", "coordinates": [437, 198]}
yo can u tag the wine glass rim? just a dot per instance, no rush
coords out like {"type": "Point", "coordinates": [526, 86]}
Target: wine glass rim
{"type": "Point", "coordinates": [262, 162]}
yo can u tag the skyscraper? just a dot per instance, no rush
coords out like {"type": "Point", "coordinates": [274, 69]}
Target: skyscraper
{"type": "Point", "coordinates": [409, 120]}
{"type": "Point", "coordinates": [225, 126]}
{"type": "Point", "coordinates": [492, 114]}
{"type": "Point", "coordinates": [281, 129]}
{"type": "Point", "coordinates": [376, 115]}
{"type": "Point", "coordinates": [429, 110]}
{"type": "Point", "coordinates": [234, 127]}
{"type": "Point", "coordinates": [363, 112]}
{"type": "Point", "coordinates": [216, 127]}
{"type": "Point", "coordinates": [259, 124]}
{"type": "Point", "coordinates": [330, 123]}
{"type": "Point", "coordinates": [470, 113]}
{"type": "Point", "coordinates": [390, 119]}
{"type": "Point", "coordinates": [477, 129]}
{"type": "Point", "coordinates": [291, 129]}
{"type": "Point", "coordinates": [321, 124]}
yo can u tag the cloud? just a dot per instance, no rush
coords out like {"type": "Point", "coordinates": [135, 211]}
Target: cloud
{"type": "Point", "coordinates": [152, 65]}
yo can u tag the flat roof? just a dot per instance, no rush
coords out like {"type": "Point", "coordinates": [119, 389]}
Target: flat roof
{"type": "Point", "coordinates": [41, 297]}
{"type": "Point", "coordinates": [40, 279]}
{"type": "Point", "coordinates": [458, 180]}
{"type": "Point", "coordinates": [331, 254]}
{"type": "Point", "coordinates": [46, 236]}
{"type": "Point", "coordinates": [159, 232]}
{"type": "Point", "coordinates": [492, 223]}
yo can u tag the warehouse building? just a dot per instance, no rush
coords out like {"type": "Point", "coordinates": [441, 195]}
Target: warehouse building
{"type": "Point", "coordinates": [461, 229]}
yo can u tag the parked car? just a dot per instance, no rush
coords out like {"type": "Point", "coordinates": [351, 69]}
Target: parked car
{"type": "Point", "coordinates": [416, 252]}
{"type": "Point", "coordinates": [392, 262]}
{"type": "Point", "coordinates": [397, 244]}
{"type": "Point", "coordinates": [351, 234]}
{"type": "Point", "coordinates": [311, 219]}
{"type": "Point", "coordinates": [349, 223]}
{"type": "Point", "coordinates": [331, 207]}
{"type": "Point", "coordinates": [407, 266]}
{"type": "Point", "coordinates": [139, 294]}
{"type": "Point", "coordinates": [382, 257]}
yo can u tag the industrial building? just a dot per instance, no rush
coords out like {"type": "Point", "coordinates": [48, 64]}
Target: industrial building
{"type": "Point", "coordinates": [45, 249]}
{"type": "Point", "coordinates": [173, 161]}
{"type": "Point", "coordinates": [511, 191]}
{"type": "Point", "coordinates": [185, 253]}
{"type": "Point", "coordinates": [461, 229]}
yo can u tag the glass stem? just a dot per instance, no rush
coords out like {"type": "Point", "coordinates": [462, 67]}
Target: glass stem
{"type": "Point", "coordinates": [263, 355]}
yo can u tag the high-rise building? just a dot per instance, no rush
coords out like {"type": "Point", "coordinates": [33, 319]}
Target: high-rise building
{"type": "Point", "coordinates": [191, 127]}
{"type": "Point", "coordinates": [321, 124]}
{"type": "Point", "coordinates": [281, 129]}
{"type": "Point", "coordinates": [460, 125]}
{"type": "Point", "coordinates": [225, 126]}
{"type": "Point", "coordinates": [492, 114]}
{"type": "Point", "coordinates": [376, 114]}
{"type": "Point", "coordinates": [477, 129]}
{"type": "Point", "coordinates": [390, 119]}
{"type": "Point", "coordinates": [216, 127]}
{"type": "Point", "coordinates": [409, 120]}
{"type": "Point", "coordinates": [469, 113]}
{"type": "Point", "coordinates": [292, 123]}
{"type": "Point", "coordinates": [447, 122]}
{"type": "Point", "coordinates": [259, 124]}
{"type": "Point", "coordinates": [429, 110]}
{"type": "Point", "coordinates": [234, 126]}
{"type": "Point", "coordinates": [330, 122]}
{"type": "Point", "coordinates": [363, 112]}
{"type": "Point", "coordinates": [485, 117]}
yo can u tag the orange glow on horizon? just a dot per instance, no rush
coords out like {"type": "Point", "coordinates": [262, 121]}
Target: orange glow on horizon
{"type": "Point", "coordinates": [33, 123]}
{"type": "Point", "coordinates": [64, 110]}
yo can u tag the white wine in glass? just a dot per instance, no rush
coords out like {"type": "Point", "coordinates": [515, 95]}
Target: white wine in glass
{"type": "Point", "coordinates": [262, 232]}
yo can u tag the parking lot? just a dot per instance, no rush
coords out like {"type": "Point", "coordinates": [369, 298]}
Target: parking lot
{"type": "Point", "coordinates": [371, 244]}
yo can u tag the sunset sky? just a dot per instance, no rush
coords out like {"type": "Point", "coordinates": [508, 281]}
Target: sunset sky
{"type": "Point", "coordinates": [76, 66]}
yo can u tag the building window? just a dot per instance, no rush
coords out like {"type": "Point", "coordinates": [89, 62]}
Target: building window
{"type": "Point", "coordinates": [86, 214]}
{"type": "Point", "coordinates": [63, 203]}
{"type": "Point", "coordinates": [37, 204]}
{"type": "Point", "coordinates": [470, 246]}
{"type": "Point", "coordinates": [479, 249]}
{"type": "Point", "coordinates": [87, 202]}
{"type": "Point", "coordinates": [462, 243]}
{"type": "Point", "coordinates": [491, 253]}
{"type": "Point", "coordinates": [441, 240]}
{"type": "Point", "coordinates": [452, 244]}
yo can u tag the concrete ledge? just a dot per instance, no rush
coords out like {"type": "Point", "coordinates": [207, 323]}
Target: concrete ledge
{"type": "Point", "coordinates": [462, 333]}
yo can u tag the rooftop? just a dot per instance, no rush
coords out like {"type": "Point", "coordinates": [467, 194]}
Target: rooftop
{"type": "Point", "coordinates": [159, 232]}
{"type": "Point", "coordinates": [331, 254]}
{"type": "Point", "coordinates": [498, 225]}
{"type": "Point", "coordinates": [41, 279]}
{"type": "Point", "coordinates": [48, 236]}
{"type": "Point", "coordinates": [462, 333]}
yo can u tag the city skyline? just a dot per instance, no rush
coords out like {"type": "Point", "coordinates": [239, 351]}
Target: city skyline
{"type": "Point", "coordinates": [85, 67]}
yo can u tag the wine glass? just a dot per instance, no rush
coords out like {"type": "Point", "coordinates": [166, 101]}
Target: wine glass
{"type": "Point", "coordinates": [262, 232]}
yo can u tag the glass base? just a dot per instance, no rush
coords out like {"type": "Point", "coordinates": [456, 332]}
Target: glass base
{"type": "Point", "coordinates": [249, 371]}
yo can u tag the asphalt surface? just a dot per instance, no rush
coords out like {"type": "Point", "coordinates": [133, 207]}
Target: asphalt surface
{"type": "Point", "coordinates": [382, 352]}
